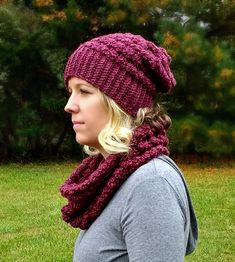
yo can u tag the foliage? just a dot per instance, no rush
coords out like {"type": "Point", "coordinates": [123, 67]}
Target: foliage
{"type": "Point", "coordinates": [37, 36]}
{"type": "Point", "coordinates": [31, 87]}
{"type": "Point", "coordinates": [193, 134]}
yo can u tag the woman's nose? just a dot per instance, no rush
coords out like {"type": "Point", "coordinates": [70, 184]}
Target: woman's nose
{"type": "Point", "coordinates": [71, 107]}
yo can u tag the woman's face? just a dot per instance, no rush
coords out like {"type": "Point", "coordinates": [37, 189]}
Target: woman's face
{"type": "Point", "coordinates": [88, 114]}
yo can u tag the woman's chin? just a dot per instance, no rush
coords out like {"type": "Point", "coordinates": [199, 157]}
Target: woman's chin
{"type": "Point", "coordinates": [84, 142]}
{"type": "Point", "coordinates": [80, 141]}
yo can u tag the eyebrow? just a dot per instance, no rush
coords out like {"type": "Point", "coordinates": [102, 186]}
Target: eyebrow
{"type": "Point", "coordinates": [82, 84]}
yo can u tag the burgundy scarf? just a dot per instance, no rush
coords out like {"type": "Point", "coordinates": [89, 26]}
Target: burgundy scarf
{"type": "Point", "coordinates": [93, 183]}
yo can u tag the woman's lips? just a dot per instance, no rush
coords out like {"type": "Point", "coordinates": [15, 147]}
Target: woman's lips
{"type": "Point", "coordinates": [77, 124]}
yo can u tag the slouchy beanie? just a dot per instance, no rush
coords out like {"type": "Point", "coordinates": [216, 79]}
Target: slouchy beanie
{"type": "Point", "coordinates": [128, 68]}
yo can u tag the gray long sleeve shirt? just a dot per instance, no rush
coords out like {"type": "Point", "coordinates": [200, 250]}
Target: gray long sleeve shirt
{"type": "Point", "coordinates": [149, 219]}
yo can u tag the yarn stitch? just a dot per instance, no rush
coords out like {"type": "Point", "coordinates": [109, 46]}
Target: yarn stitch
{"type": "Point", "coordinates": [93, 183]}
{"type": "Point", "coordinates": [126, 67]}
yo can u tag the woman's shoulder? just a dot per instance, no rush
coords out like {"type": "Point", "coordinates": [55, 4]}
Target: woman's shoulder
{"type": "Point", "coordinates": [160, 174]}
{"type": "Point", "coordinates": [157, 169]}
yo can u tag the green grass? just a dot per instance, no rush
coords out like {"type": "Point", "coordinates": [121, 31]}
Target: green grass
{"type": "Point", "coordinates": [31, 228]}
{"type": "Point", "coordinates": [213, 194]}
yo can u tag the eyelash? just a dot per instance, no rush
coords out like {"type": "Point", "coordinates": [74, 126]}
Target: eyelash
{"type": "Point", "coordinates": [82, 91]}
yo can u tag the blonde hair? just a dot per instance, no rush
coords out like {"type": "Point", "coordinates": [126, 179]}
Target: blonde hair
{"type": "Point", "coordinates": [116, 136]}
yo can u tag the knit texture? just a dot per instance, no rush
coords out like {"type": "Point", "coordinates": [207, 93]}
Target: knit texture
{"type": "Point", "coordinates": [126, 67]}
{"type": "Point", "coordinates": [93, 183]}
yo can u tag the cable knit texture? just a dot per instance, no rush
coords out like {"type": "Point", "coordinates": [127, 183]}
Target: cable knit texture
{"type": "Point", "coordinates": [126, 67]}
{"type": "Point", "coordinates": [93, 183]}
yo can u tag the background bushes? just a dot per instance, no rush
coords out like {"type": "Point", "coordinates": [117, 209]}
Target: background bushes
{"type": "Point", "coordinates": [37, 36]}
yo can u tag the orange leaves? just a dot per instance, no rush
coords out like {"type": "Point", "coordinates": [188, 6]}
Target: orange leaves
{"type": "Point", "coordinates": [218, 53]}
{"type": "Point", "coordinates": [188, 36]}
{"type": "Point", "coordinates": [139, 5]}
{"type": "Point", "coordinates": [233, 136]}
{"type": "Point", "coordinates": [170, 40]}
{"type": "Point", "coordinates": [94, 24]}
{"type": "Point", "coordinates": [171, 43]}
{"type": "Point", "coordinates": [3, 2]}
{"type": "Point", "coordinates": [114, 2]}
{"type": "Point", "coordinates": [141, 20]}
{"type": "Point", "coordinates": [52, 14]}
{"type": "Point", "coordinates": [42, 3]}
{"type": "Point", "coordinates": [217, 84]}
{"type": "Point", "coordinates": [79, 15]}
{"type": "Point", "coordinates": [55, 15]}
{"type": "Point", "coordinates": [226, 73]}
{"type": "Point", "coordinates": [193, 51]}
{"type": "Point", "coordinates": [116, 16]}
{"type": "Point", "coordinates": [223, 77]}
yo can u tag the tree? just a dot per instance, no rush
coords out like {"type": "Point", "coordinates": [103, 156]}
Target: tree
{"type": "Point", "coordinates": [37, 36]}
{"type": "Point", "coordinates": [32, 93]}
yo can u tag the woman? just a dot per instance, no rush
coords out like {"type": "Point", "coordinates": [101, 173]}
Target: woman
{"type": "Point", "coordinates": [128, 197]}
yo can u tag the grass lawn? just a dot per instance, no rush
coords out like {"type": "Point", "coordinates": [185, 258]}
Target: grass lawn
{"type": "Point", "coordinates": [31, 228]}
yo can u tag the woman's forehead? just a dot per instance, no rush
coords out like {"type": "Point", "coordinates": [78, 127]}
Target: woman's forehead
{"type": "Point", "coordinates": [77, 82]}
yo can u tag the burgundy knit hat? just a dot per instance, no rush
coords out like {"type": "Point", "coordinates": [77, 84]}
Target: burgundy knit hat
{"type": "Point", "coordinates": [126, 67]}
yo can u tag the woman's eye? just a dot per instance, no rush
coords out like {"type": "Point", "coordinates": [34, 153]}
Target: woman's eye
{"type": "Point", "coordinates": [83, 91]}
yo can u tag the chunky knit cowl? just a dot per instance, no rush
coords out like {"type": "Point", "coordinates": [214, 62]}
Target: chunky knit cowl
{"type": "Point", "coordinates": [94, 182]}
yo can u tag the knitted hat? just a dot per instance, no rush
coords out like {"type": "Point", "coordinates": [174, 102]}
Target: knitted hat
{"type": "Point", "coordinates": [126, 67]}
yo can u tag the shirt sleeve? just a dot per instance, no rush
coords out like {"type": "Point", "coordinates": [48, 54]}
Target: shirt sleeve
{"type": "Point", "coordinates": [153, 223]}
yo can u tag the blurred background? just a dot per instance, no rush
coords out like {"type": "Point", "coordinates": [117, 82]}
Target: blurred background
{"type": "Point", "coordinates": [36, 37]}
